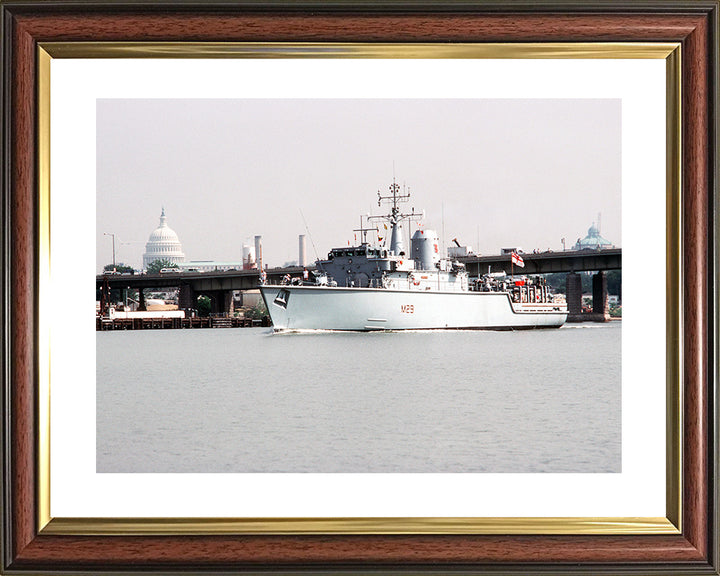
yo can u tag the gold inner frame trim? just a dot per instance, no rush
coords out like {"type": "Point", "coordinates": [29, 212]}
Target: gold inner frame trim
{"type": "Point", "coordinates": [567, 50]}
{"type": "Point", "coordinates": [44, 307]}
{"type": "Point", "coordinates": [673, 308]}
{"type": "Point", "coordinates": [288, 526]}
{"type": "Point", "coordinates": [437, 525]}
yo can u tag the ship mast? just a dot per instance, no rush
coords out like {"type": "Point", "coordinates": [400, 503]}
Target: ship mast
{"type": "Point", "coordinates": [364, 231]}
{"type": "Point", "coordinates": [396, 216]}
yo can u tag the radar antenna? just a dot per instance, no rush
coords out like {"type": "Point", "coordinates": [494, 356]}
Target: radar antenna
{"type": "Point", "coordinates": [396, 216]}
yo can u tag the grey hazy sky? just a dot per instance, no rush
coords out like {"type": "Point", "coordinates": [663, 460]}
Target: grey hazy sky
{"type": "Point", "coordinates": [508, 172]}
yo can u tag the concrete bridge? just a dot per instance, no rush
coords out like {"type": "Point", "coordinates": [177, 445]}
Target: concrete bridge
{"type": "Point", "coordinates": [219, 285]}
{"type": "Point", "coordinates": [548, 262]}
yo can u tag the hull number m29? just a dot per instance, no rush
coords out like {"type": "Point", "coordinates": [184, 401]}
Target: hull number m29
{"type": "Point", "coordinates": [407, 308]}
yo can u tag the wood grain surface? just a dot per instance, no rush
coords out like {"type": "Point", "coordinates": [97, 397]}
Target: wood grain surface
{"type": "Point", "coordinates": [697, 196]}
{"type": "Point", "coordinates": [691, 552]}
{"type": "Point", "coordinates": [23, 291]}
{"type": "Point", "coordinates": [359, 28]}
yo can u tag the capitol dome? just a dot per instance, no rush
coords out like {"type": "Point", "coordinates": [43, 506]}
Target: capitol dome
{"type": "Point", "coordinates": [163, 244]}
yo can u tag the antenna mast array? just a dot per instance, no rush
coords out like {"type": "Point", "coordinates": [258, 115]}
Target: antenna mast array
{"type": "Point", "coordinates": [395, 198]}
{"type": "Point", "coordinates": [364, 231]}
{"type": "Point", "coordinates": [396, 216]}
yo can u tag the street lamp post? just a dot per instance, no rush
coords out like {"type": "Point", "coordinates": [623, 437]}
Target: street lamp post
{"type": "Point", "coordinates": [113, 238]}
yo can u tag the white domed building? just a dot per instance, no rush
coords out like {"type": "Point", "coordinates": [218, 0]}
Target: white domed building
{"type": "Point", "coordinates": [163, 244]}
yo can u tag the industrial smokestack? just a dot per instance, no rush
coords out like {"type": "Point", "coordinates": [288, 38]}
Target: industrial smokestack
{"type": "Point", "coordinates": [259, 253]}
{"type": "Point", "coordinates": [248, 257]}
{"type": "Point", "coordinates": [302, 251]}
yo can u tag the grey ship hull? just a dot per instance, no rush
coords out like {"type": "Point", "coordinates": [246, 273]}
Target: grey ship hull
{"type": "Point", "coordinates": [365, 309]}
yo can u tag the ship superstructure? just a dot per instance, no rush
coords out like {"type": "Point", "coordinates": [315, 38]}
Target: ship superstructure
{"type": "Point", "coordinates": [384, 286]}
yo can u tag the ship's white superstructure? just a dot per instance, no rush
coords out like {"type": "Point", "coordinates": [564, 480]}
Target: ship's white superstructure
{"type": "Point", "coordinates": [373, 287]}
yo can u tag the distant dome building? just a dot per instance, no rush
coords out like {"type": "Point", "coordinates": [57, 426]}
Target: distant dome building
{"type": "Point", "coordinates": [163, 244]}
{"type": "Point", "coordinates": [593, 241]}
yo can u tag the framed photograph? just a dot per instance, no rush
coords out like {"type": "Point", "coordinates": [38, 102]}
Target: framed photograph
{"type": "Point", "coordinates": [383, 447]}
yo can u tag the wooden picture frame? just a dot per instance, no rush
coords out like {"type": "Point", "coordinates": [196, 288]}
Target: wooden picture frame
{"type": "Point", "coordinates": [30, 546]}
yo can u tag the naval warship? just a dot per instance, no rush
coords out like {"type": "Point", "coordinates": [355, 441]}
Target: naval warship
{"type": "Point", "coordinates": [382, 286]}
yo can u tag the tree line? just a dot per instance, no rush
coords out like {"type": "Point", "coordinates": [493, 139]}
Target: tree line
{"type": "Point", "coordinates": [614, 282]}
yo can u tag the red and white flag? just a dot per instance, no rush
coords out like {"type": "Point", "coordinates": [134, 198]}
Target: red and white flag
{"type": "Point", "coordinates": [515, 257]}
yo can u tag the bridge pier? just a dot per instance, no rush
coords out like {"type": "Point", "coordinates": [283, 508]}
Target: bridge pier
{"type": "Point", "coordinates": [214, 308]}
{"type": "Point", "coordinates": [601, 309]}
{"type": "Point", "coordinates": [187, 299]}
{"type": "Point", "coordinates": [104, 298]}
{"type": "Point", "coordinates": [221, 301]}
{"type": "Point", "coordinates": [141, 301]}
{"type": "Point", "coordinates": [573, 296]}
{"type": "Point", "coordinates": [229, 304]}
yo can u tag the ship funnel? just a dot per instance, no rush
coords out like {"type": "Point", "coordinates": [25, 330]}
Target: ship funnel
{"type": "Point", "coordinates": [425, 249]}
{"type": "Point", "coordinates": [396, 243]}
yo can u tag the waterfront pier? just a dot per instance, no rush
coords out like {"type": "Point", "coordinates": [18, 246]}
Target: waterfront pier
{"type": "Point", "coordinates": [103, 323]}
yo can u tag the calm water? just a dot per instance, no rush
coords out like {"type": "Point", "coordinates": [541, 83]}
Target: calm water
{"type": "Point", "coordinates": [247, 400]}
